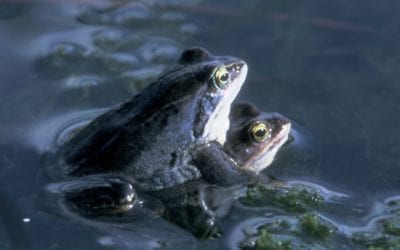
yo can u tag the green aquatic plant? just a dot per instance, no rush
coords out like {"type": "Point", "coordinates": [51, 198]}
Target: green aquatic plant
{"type": "Point", "coordinates": [376, 241]}
{"type": "Point", "coordinates": [267, 241]}
{"type": "Point", "coordinates": [306, 232]}
{"type": "Point", "coordinates": [313, 225]}
{"type": "Point", "coordinates": [296, 198]}
{"type": "Point", "coordinates": [392, 226]}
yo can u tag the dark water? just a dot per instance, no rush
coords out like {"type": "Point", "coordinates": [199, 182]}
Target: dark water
{"type": "Point", "coordinates": [332, 67]}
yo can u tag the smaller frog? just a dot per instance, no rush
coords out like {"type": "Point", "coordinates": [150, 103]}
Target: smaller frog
{"type": "Point", "coordinates": [255, 137]}
{"type": "Point", "coordinates": [252, 142]}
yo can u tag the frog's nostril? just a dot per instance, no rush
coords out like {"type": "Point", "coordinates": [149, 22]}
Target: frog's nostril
{"type": "Point", "coordinates": [239, 65]}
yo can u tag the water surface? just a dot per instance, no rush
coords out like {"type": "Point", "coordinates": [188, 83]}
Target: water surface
{"type": "Point", "coordinates": [330, 67]}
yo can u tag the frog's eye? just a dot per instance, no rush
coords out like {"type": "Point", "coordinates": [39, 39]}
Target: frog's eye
{"type": "Point", "coordinates": [259, 132]}
{"type": "Point", "coordinates": [221, 77]}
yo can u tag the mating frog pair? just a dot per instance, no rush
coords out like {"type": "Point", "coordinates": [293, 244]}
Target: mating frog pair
{"type": "Point", "coordinates": [180, 130]}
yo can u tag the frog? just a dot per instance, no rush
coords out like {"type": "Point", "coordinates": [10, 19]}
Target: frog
{"type": "Point", "coordinates": [252, 141]}
{"type": "Point", "coordinates": [150, 139]}
{"type": "Point", "coordinates": [267, 132]}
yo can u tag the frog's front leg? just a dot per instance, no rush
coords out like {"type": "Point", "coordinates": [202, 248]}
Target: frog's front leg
{"type": "Point", "coordinates": [218, 167]}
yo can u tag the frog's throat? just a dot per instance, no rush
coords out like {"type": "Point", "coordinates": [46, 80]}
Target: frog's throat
{"type": "Point", "coordinates": [218, 123]}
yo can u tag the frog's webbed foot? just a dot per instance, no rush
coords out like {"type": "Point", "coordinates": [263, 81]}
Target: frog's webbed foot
{"type": "Point", "coordinates": [194, 219]}
{"type": "Point", "coordinates": [183, 207]}
{"type": "Point", "coordinates": [97, 197]}
{"type": "Point", "coordinates": [206, 227]}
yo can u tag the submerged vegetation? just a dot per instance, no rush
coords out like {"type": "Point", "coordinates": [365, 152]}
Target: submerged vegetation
{"type": "Point", "coordinates": [296, 198]}
{"type": "Point", "coordinates": [298, 218]}
{"type": "Point", "coordinates": [266, 241]}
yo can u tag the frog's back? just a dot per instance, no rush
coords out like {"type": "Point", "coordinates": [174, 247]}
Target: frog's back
{"type": "Point", "coordinates": [141, 119]}
{"type": "Point", "coordinates": [148, 138]}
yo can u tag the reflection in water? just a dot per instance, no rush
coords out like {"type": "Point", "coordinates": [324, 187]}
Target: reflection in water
{"type": "Point", "coordinates": [55, 131]}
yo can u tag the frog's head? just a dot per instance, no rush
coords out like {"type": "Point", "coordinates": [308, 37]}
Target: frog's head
{"type": "Point", "coordinates": [207, 85]}
{"type": "Point", "coordinates": [255, 137]}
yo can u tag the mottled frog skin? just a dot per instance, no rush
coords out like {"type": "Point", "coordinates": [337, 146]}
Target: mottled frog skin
{"type": "Point", "coordinates": [252, 142]}
{"type": "Point", "coordinates": [253, 139]}
{"type": "Point", "coordinates": [171, 142]}
{"type": "Point", "coordinates": [149, 140]}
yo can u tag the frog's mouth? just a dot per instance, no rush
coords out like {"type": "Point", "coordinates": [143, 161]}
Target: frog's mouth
{"type": "Point", "coordinates": [218, 122]}
{"type": "Point", "coordinates": [267, 151]}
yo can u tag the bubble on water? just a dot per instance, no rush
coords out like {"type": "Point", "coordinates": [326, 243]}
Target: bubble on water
{"type": "Point", "coordinates": [116, 62]}
{"type": "Point", "coordinates": [131, 14]}
{"type": "Point", "coordinates": [83, 81]}
{"type": "Point", "coordinates": [108, 39]}
{"type": "Point", "coordinates": [189, 29]}
{"type": "Point", "coordinates": [66, 49]}
{"type": "Point", "coordinates": [117, 40]}
{"type": "Point", "coordinates": [160, 51]}
{"type": "Point", "coordinates": [94, 13]}
{"type": "Point", "coordinates": [62, 54]}
{"type": "Point", "coordinates": [107, 241]}
{"type": "Point", "coordinates": [136, 80]}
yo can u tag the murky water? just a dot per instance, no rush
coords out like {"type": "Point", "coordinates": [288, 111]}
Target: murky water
{"type": "Point", "coordinates": [330, 67]}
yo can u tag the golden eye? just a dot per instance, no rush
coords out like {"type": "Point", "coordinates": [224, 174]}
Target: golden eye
{"type": "Point", "coordinates": [221, 77]}
{"type": "Point", "coordinates": [259, 132]}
